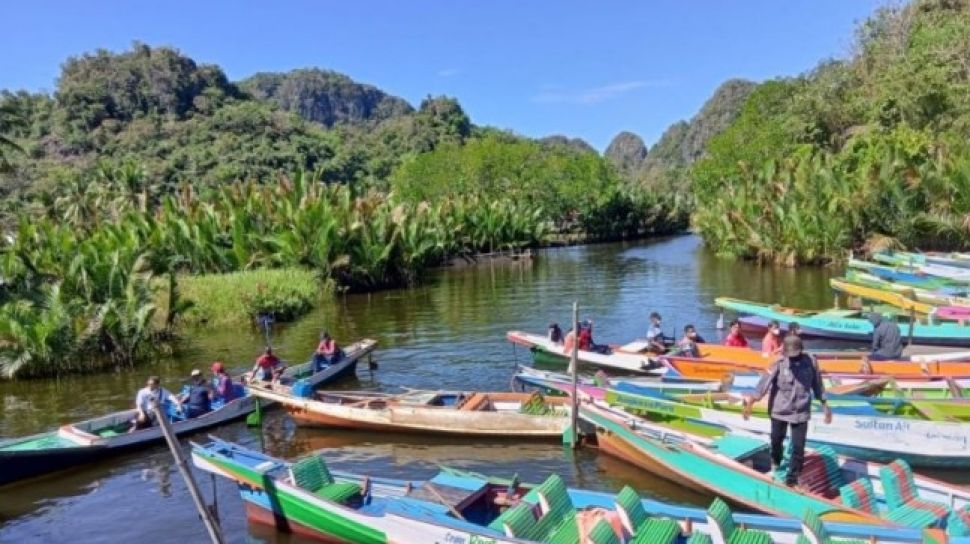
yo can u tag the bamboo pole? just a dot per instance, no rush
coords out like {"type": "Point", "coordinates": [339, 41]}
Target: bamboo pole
{"type": "Point", "coordinates": [211, 524]}
{"type": "Point", "coordinates": [912, 323]}
{"type": "Point", "coordinates": [574, 371]}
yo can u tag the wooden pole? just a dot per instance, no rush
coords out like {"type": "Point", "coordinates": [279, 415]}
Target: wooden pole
{"type": "Point", "coordinates": [211, 525]}
{"type": "Point", "coordinates": [574, 371]}
{"type": "Point", "coordinates": [912, 323]}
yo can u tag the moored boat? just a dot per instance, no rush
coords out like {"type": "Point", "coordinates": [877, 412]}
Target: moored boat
{"type": "Point", "coordinates": [737, 466]}
{"type": "Point", "coordinates": [713, 369]}
{"type": "Point", "coordinates": [842, 324]}
{"type": "Point", "coordinates": [631, 357]}
{"type": "Point", "coordinates": [441, 412]}
{"type": "Point", "coordinates": [97, 438]}
{"type": "Point", "coordinates": [306, 497]}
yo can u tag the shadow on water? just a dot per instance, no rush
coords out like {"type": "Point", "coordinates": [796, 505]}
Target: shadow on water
{"type": "Point", "coordinates": [446, 334]}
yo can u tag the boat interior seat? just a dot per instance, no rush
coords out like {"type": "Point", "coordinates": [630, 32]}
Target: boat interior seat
{"type": "Point", "coordinates": [698, 537]}
{"type": "Point", "coordinates": [556, 521]}
{"type": "Point", "coordinates": [903, 500]}
{"type": "Point", "coordinates": [643, 528]}
{"type": "Point", "coordinates": [311, 474]}
{"type": "Point", "coordinates": [958, 522]}
{"type": "Point", "coordinates": [721, 523]}
{"type": "Point", "coordinates": [475, 402]}
{"type": "Point", "coordinates": [814, 532]}
{"type": "Point", "coordinates": [860, 495]}
{"type": "Point", "coordinates": [603, 533]}
{"type": "Point", "coordinates": [738, 446]}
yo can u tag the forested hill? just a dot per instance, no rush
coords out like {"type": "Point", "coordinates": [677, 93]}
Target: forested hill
{"type": "Point", "coordinates": [865, 152]}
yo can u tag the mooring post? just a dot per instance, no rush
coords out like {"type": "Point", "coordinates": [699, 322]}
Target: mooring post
{"type": "Point", "coordinates": [211, 525]}
{"type": "Point", "coordinates": [574, 371]}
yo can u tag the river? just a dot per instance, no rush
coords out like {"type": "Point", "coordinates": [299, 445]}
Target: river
{"type": "Point", "coordinates": [448, 333]}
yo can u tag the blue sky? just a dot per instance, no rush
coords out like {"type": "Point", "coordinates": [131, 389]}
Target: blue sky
{"type": "Point", "coordinates": [580, 68]}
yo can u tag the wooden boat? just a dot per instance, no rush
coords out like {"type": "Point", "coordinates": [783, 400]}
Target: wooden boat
{"type": "Point", "coordinates": [909, 258]}
{"type": "Point", "coordinates": [304, 378]}
{"type": "Point", "coordinates": [632, 357]}
{"type": "Point", "coordinates": [842, 324]}
{"type": "Point", "coordinates": [710, 369]}
{"type": "Point", "coordinates": [951, 297]}
{"type": "Point", "coordinates": [738, 468]}
{"type": "Point", "coordinates": [945, 271]}
{"type": "Point", "coordinates": [444, 412]}
{"type": "Point", "coordinates": [100, 437]}
{"type": "Point", "coordinates": [306, 497]}
{"type": "Point", "coordinates": [907, 276]}
{"type": "Point", "coordinates": [898, 300]}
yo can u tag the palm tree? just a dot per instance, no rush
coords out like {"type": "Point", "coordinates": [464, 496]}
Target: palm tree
{"type": "Point", "coordinates": [10, 119]}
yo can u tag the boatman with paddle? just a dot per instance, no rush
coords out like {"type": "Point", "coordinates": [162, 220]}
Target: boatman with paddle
{"type": "Point", "coordinates": [790, 383]}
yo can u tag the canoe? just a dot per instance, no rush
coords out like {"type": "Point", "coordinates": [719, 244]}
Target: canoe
{"type": "Point", "coordinates": [712, 369]}
{"type": "Point", "coordinates": [308, 498]}
{"type": "Point", "coordinates": [439, 412]}
{"type": "Point", "coordinates": [841, 324]}
{"type": "Point", "coordinates": [891, 394]}
{"type": "Point", "coordinates": [93, 439]}
{"type": "Point", "coordinates": [898, 300]}
{"type": "Point", "coordinates": [908, 258]}
{"type": "Point", "coordinates": [906, 276]}
{"type": "Point", "coordinates": [928, 267]}
{"type": "Point", "coordinates": [304, 378]}
{"type": "Point", "coordinates": [937, 298]}
{"type": "Point", "coordinates": [630, 357]}
{"type": "Point", "coordinates": [738, 468]}
{"type": "Point", "coordinates": [98, 438]}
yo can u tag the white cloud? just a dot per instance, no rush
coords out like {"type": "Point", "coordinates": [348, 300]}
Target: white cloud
{"type": "Point", "coordinates": [448, 72]}
{"type": "Point", "coordinates": [596, 94]}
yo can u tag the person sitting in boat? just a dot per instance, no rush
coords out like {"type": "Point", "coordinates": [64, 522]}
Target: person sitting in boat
{"type": "Point", "coordinates": [688, 344]}
{"type": "Point", "coordinates": [268, 367]}
{"type": "Point", "coordinates": [585, 337]}
{"type": "Point", "coordinates": [771, 343]}
{"type": "Point", "coordinates": [555, 333]}
{"type": "Point", "coordinates": [144, 403]}
{"type": "Point", "coordinates": [794, 329]}
{"type": "Point", "coordinates": [327, 352]}
{"type": "Point", "coordinates": [734, 337]}
{"type": "Point", "coordinates": [887, 339]}
{"type": "Point", "coordinates": [655, 335]}
{"type": "Point", "coordinates": [198, 399]}
{"type": "Point", "coordinates": [790, 383]}
{"type": "Point", "coordinates": [222, 383]}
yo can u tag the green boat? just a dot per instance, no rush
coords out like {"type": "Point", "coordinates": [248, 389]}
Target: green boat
{"type": "Point", "coordinates": [738, 468]}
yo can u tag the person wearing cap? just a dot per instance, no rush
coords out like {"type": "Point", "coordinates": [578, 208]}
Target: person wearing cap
{"type": "Point", "coordinates": [887, 339]}
{"type": "Point", "coordinates": [655, 335]}
{"type": "Point", "coordinates": [222, 383]}
{"type": "Point", "coordinates": [790, 383]}
{"type": "Point", "coordinates": [198, 399]}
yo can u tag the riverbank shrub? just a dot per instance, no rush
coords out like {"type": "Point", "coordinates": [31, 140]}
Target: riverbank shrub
{"type": "Point", "coordinates": [238, 297]}
{"type": "Point", "coordinates": [872, 148]}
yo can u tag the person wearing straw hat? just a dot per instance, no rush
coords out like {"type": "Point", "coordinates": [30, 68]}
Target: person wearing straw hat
{"type": "Point", "coordinates": [790, 384]}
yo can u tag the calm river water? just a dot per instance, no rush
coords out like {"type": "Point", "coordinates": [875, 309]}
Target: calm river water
{"type": "Point", "coordinates": [449, 333]}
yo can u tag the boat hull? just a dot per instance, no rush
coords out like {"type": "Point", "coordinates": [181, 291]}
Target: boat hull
{"type": "Point", "coordinates": [546, 353]}
{"type": "Point", "coordinates": [27, 464]}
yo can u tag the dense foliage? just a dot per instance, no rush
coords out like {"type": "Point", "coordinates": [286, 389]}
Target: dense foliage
{"type": "Point", "coordinates": [870, 150]}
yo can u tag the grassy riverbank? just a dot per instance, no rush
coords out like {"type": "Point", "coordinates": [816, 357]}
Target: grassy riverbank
{"type": "Point", "coordinates": [238, 297]}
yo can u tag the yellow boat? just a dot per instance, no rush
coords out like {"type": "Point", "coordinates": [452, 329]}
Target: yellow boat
{"type": "Point", "coordinates": [898, 300]}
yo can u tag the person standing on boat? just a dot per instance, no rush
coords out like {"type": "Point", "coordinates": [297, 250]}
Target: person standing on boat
{"type": "Point", "coordinates": [735, 338]}
{"type": "Point", "coordinates": [790, 384]}
{"type": "Point", "coordinates": [144, 403]}
{"type": "Point", "coordinates": [222, 383]}
{"type": "Point", "coordinates": [198, 399]}
{"type": "Point", "coordinates": [887, 339]}
{"type": "Point", "coordinates": [771, 343]}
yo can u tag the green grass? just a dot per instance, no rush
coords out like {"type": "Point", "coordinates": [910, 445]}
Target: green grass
{"type": "Point", "coordinates": [238, 297]}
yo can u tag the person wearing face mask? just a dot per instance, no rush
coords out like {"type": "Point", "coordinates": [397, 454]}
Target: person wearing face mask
{"type": "Point", "coordinates": [771, 343]}
{"type": "Point", "coordinates": [688, 344]}
{"type": "Point", "coordinates": [790, 384]}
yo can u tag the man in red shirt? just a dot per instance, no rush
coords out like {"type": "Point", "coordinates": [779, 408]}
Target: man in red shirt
{"type": "Point", "coordinates": [268, 367]}
{"type": "Point", "coordinates": [735, 338]}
